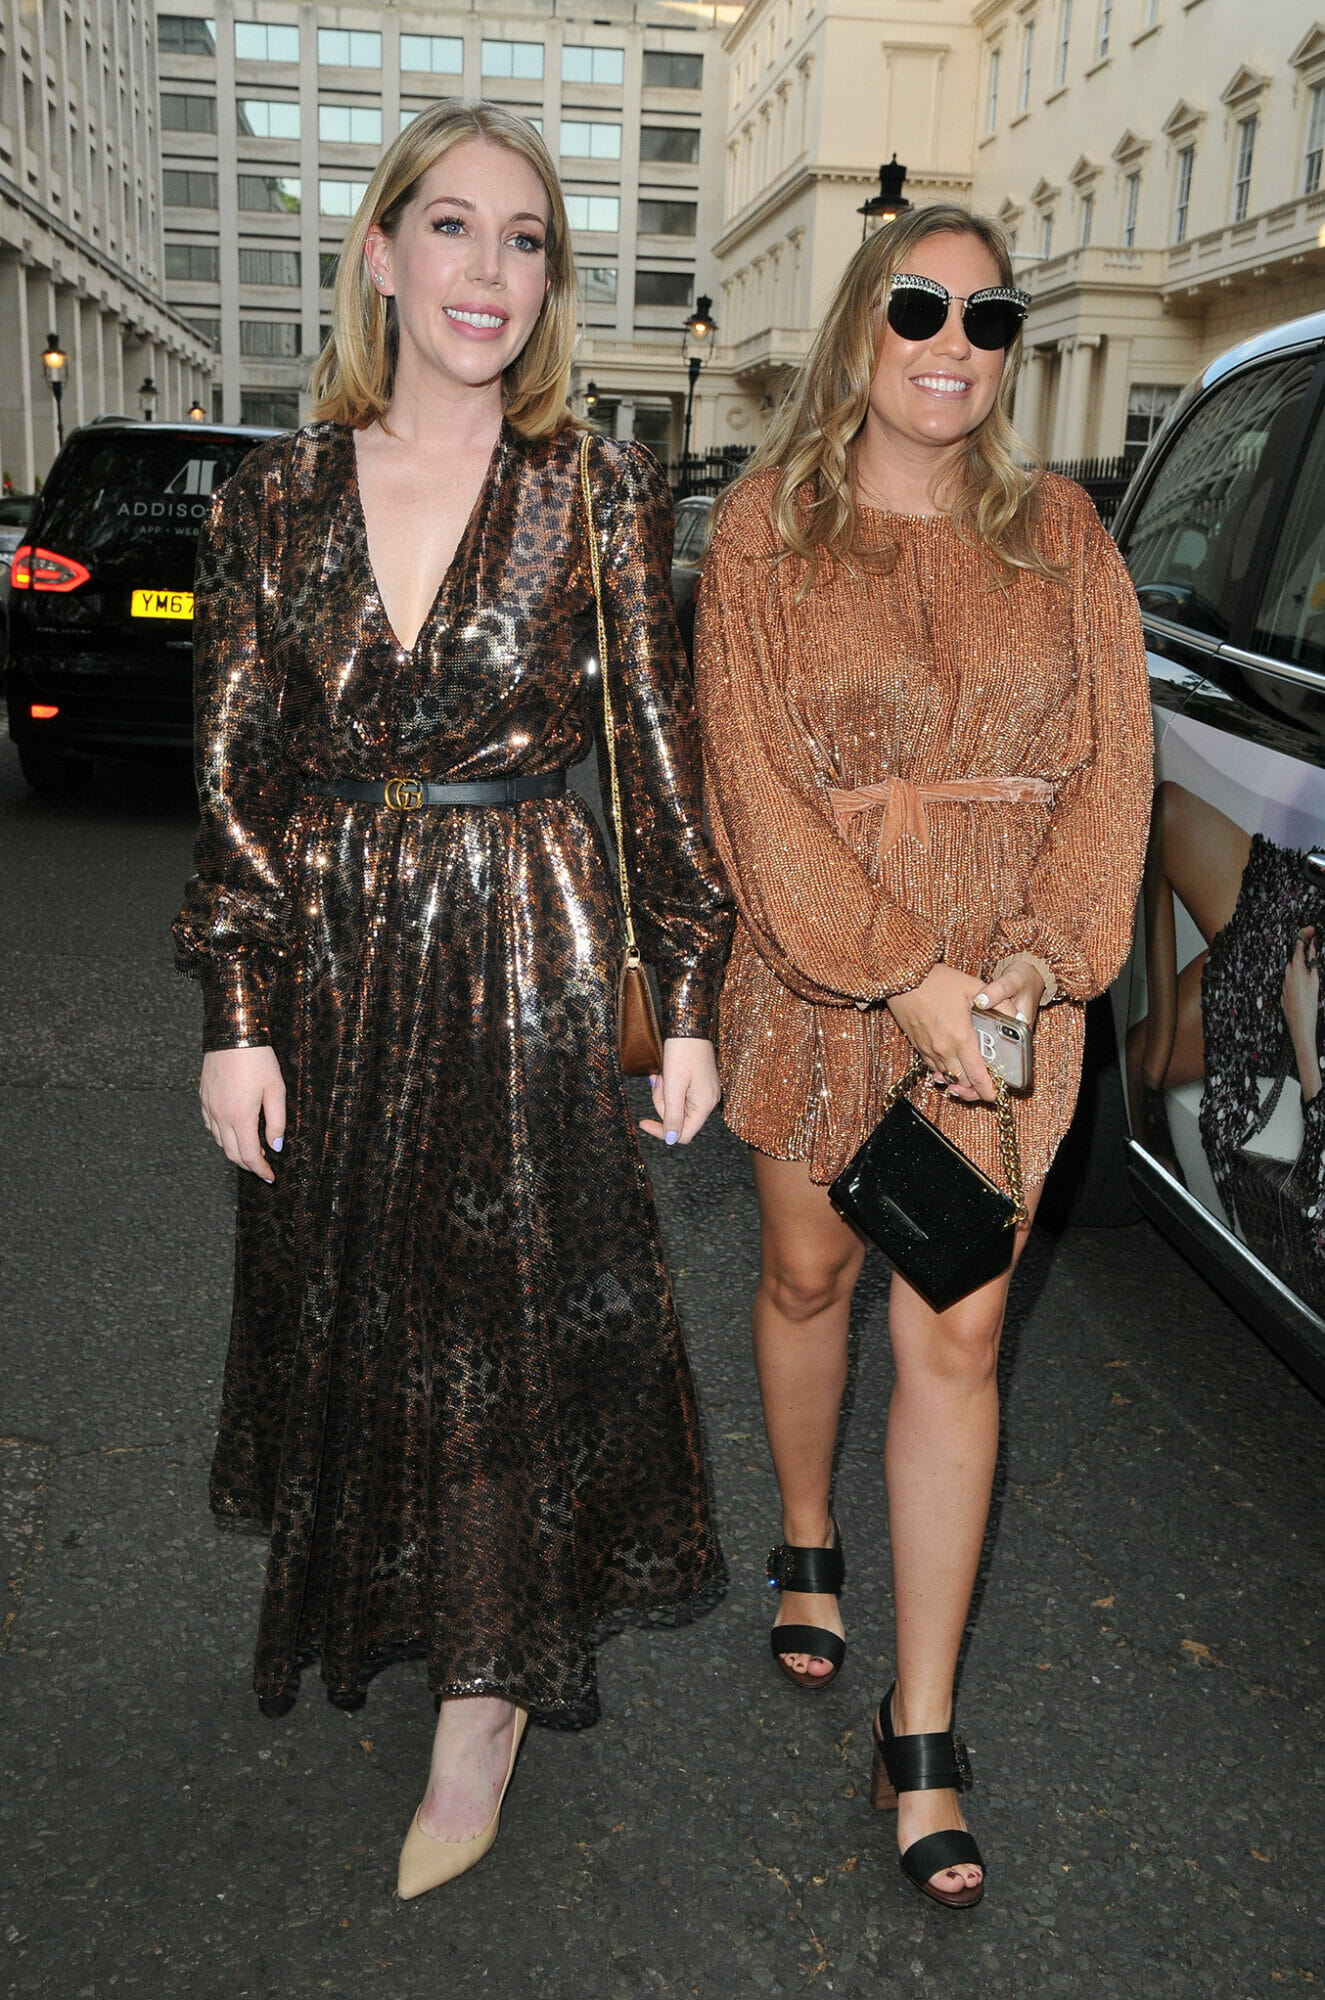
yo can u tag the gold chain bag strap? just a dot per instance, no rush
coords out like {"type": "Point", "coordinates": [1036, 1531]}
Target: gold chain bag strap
{"type": "Point", "coordinates": [639, 1038]}
{"type": "Point", "coordinates": [945, 1226]}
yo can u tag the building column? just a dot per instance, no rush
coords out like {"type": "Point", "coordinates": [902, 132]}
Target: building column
{"type": "Point", "coordinates": [1076, 398]}
{"type": "Point", "coordinates": [625, 418]}
{"type": "Point", "coordinates": [17, 444]}
{"type": "Point", "coordinates": [1028, 410]}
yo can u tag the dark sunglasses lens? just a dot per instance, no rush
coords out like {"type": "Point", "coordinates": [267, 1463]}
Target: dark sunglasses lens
{"type": "Point", "coordinates": [993, 322]}
{"type": "Point", "coordinates": [916, 315]}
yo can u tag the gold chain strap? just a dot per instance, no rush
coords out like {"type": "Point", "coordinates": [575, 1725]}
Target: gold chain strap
{"type": "Point", "coordinates": [1007, 1132]}
{"type": "Point", "coordinates": [632, 949]}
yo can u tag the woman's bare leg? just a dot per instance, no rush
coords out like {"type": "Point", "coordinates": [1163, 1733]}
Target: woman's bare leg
{"type": "Point", "coordinates": [939, 1459]}
{"type": "Point", "coordinates": [471, 1751]}
{"type": "Point", "coordinates": [810, 1261]}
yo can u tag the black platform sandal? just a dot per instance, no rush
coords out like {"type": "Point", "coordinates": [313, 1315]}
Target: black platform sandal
{"type": "Point", "coordinates": [820, 1572]}
{"type": "Point", "coordinates": [936, 1762]}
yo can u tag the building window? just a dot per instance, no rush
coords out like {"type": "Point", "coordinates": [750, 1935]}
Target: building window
{"type": "Point", "coordinates": [519, 59]}
{"type": "Point", "coordinates": [339, 197]}
{"type": "Point", "coordinates": [600, 212]}
{"type": "Point", "coordinates": [598, 284]}
{"type": "Point", "coordinates": [269, 267]}
{"type": "Point", "coordinates": [1182, 195]}
{"type": "Point", "coordinates": [187, 189]}
{"type": "Point", "coordinates": [667, 218]}
{"type": "Point", "coordinates": [677, 144]}
{"type": "Point", "coordinates": [267, 118]}
{"type": "Point", "coordinates": [606, 66]}
{"type": "Point", "coordinates": [187, 114]}
{"type": "Point", "coordinates": [991, 99]}
{"type": "Point", "coordinates": [1047, 234]}
{"type": "Point", "coordinates": [1131, 204]}
{"type": "Point", "coordinates": [328, 264]}
{"type": "Point", "coordinates": [274, 339]}
{"type": "Point", "coordinates": [1027, 60]}
{"type": "Point", "coordinates": [1151, 14]}
{"type": "Point", "coordinates": [663, 71]}
{"type": "Point", "coordinates": [436, 55]}
{"type": "Point", "coordinates": [664, 288]}
{"type": "Point", "coordinates": [185, 35]}
{"type": "Point", "coordinates": [1087, 217]}
{"type": "Point", "coordinates": [194, 263]}
{"type": "Point", "coordinates": [256, 42]}
{"type": "Point", "coordinates": [1148, 403]}
{"type": "Point", "coordinates": [205, 327]}
{"type": "Point", "coordinates": [349, 48]}
{"type": "Point", "coordinates": [274, 194]}
{"type": "Point", "coordinates": [1315, 139]}
{"type": "Point", "coordinates": [349, 124]}
{"type": "Point", "coordinates": [270, 409]}
{"type": "Point", "coordinates": [1242, 171]}
{"type": "Point", "coordinates": [1064, 44]}
{"type": "Point", "coordinates": [1106, 28]}
{"type": "Point", "coordinates": [587, 139]}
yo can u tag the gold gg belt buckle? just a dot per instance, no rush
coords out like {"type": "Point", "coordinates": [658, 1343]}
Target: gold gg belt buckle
{"type": "Point", "coordinates": [403, 794]}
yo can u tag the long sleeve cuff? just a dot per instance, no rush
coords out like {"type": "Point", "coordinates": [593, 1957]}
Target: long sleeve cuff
{"type": "Point", "coordinates": [689, 997]}
{"type": "Point", "coordinates": [234, 1005]}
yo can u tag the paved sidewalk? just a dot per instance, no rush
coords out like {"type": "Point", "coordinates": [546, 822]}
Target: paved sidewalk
{"type": "Point", "coordinates": [1141, 1690]}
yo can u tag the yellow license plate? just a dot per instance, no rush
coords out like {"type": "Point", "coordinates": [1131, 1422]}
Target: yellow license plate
{"type": "Point", "coordinates": [162, 604]}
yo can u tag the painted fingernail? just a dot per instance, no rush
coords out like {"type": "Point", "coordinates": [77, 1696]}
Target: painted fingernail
{"type": "Point", "coordinates": [1020, 1015]}
{"type": "Point", "coordinates": [655, 1081]}
{"type": "Point", "coordinates": [672, 1138]}
{"type": "Point", "coordinates": [982, 999]}
{"type": "Point", "coordinates": [275, 1144]}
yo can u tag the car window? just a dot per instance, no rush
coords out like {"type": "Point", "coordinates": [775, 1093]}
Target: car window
{"type": "Point", "coordinates": [691, 524]}
{"type": "Point", "coordinates": [1290, 620]}
{"type": "Point", "coordinates": [15, 513]}
{"type": "Point", "coordinates": [111, 497]}
{"type": "Point", "coordinates": [1189, 544]}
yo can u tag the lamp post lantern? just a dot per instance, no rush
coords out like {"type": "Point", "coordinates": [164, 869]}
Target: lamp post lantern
{"type": "Point", "coordinates": [54, 363]}
{"type": "Point", "coordinates": [197, 414]}
{"type": "Point", "coordinates": [697, 337]}
{"type": "Point", "coordinates": [147, 398]}
{"type": "Point", "coordinates": [889, 202]}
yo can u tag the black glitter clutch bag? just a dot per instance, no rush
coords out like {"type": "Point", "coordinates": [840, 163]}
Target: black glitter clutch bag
{"type": "Point", "coordinates": [943, 1224]}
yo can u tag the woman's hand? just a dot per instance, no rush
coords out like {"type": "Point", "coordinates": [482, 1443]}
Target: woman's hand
{"type": "Point", "coordinates": [1301, 1003]}
{"type": "Point", "coordinates": [1018, 990]}
{"type": "Point", "coordinates": [236, 1086]}
{"type": "Point", "coordinates": [685, 1093]}
{"type": "Point", "coordinates": [935, 1017]}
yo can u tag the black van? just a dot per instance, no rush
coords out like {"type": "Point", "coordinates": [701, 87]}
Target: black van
{"type": "Point", "coordinates": [101, 594]}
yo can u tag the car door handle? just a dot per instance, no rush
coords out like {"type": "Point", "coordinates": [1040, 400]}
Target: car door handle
{"type": "Point", "coordinates": [1313, 866]}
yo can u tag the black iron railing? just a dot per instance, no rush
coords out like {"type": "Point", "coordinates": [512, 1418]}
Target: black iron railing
{"type": "Point", "coordinates": [707, 471]}
{"type": "Point", "coordinates": [1105, 479]}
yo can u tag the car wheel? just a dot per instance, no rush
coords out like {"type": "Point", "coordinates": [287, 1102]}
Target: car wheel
{"type": "Point", "coordinates": [1088, 1184]}
{"type": "Point", "coordinates": [49, 770]}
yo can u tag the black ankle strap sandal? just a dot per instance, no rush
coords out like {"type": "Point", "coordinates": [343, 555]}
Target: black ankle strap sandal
{"type": "Point", "coordinates": [820, 1572]}
{"type": "Point", "coordinates": [933, 1762]}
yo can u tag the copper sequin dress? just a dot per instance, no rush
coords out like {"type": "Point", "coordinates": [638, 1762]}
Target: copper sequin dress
{"type": "Point", "coordinates": [456, 1393]}
{"type": "Point", "coordinates": [930, 673]}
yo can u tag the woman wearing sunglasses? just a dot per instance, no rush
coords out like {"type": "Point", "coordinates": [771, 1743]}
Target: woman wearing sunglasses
{"type": "Point", "coordinates": [924, 699]}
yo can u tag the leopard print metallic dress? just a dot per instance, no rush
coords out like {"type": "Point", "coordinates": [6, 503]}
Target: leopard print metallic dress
{"type": "Point", "coordinates": [456, 1394]}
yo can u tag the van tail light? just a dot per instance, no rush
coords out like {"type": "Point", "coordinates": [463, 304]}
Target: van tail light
{"type": "Point", "coordinates": [43, 569]}
{"type": "Point", "coordinates": [43, 711]}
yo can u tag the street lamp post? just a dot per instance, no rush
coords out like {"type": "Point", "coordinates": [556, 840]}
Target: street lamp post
{"type": "Point", "coordinates": [889, 202]}
{"type": "Point", "coordinates": [697, 336]}
{"type": "Point", "coordinates": [590, 400]}
{"type": "Point", "coordinates": [147, 398]}
{"type": "Point", "coordinates": [54, 363]}
{"type": "Point", "coordinates": [197, 414]}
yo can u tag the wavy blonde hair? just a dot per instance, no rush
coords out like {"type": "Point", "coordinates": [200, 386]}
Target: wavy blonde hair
{"type": "Point", "coordinates": [355, 372]}
{"type": "Point", "coordinates": [812, 439]}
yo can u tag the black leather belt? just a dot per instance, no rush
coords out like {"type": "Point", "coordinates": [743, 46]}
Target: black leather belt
{"type": "Point", "coordinates": [411, 794]}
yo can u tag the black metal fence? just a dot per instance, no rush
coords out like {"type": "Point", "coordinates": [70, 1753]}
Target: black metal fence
{"type": "Point", "coordinates": [707, 471]}
{"type": "Point", "coordinates": [1105, 479]}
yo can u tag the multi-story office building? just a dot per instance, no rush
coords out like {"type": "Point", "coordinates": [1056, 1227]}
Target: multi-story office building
{"type": "Point", "coordinates": [1157, 165]}
{"type": "Point", "coordinates": [275, 114]}
{"type": "Point", "coordinates": [80, 226]}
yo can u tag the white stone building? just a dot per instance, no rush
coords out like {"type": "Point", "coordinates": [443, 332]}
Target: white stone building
{"type": "Point", "coordinates": [274, 115]}
{"type": "Point", "coordinates": [80, 226]}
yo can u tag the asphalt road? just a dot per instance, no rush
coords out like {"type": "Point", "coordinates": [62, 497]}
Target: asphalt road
{"type": "Point", "coordinates": [1141, 1688]}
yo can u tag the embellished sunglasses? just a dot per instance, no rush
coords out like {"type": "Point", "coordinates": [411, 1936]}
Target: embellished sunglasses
{"type": "Point", "coordinates": [918, 308]}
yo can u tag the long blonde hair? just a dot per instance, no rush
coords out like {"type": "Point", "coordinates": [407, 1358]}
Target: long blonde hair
{"type": "Point", "coordinates": [812, 439]}
{"type": "Point", "coordinates": [355, 372]}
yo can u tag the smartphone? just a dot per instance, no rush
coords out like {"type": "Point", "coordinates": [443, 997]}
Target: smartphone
{"type": "Point", "coordinates": [1005, 1045]}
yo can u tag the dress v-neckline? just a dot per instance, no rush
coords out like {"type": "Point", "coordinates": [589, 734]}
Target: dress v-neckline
{"type": "Point", "coordinates": [458, 560]}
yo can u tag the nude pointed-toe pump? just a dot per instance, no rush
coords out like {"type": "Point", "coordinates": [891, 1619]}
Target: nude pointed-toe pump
{"type": "Point", "coordinates": [426, 1862]}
